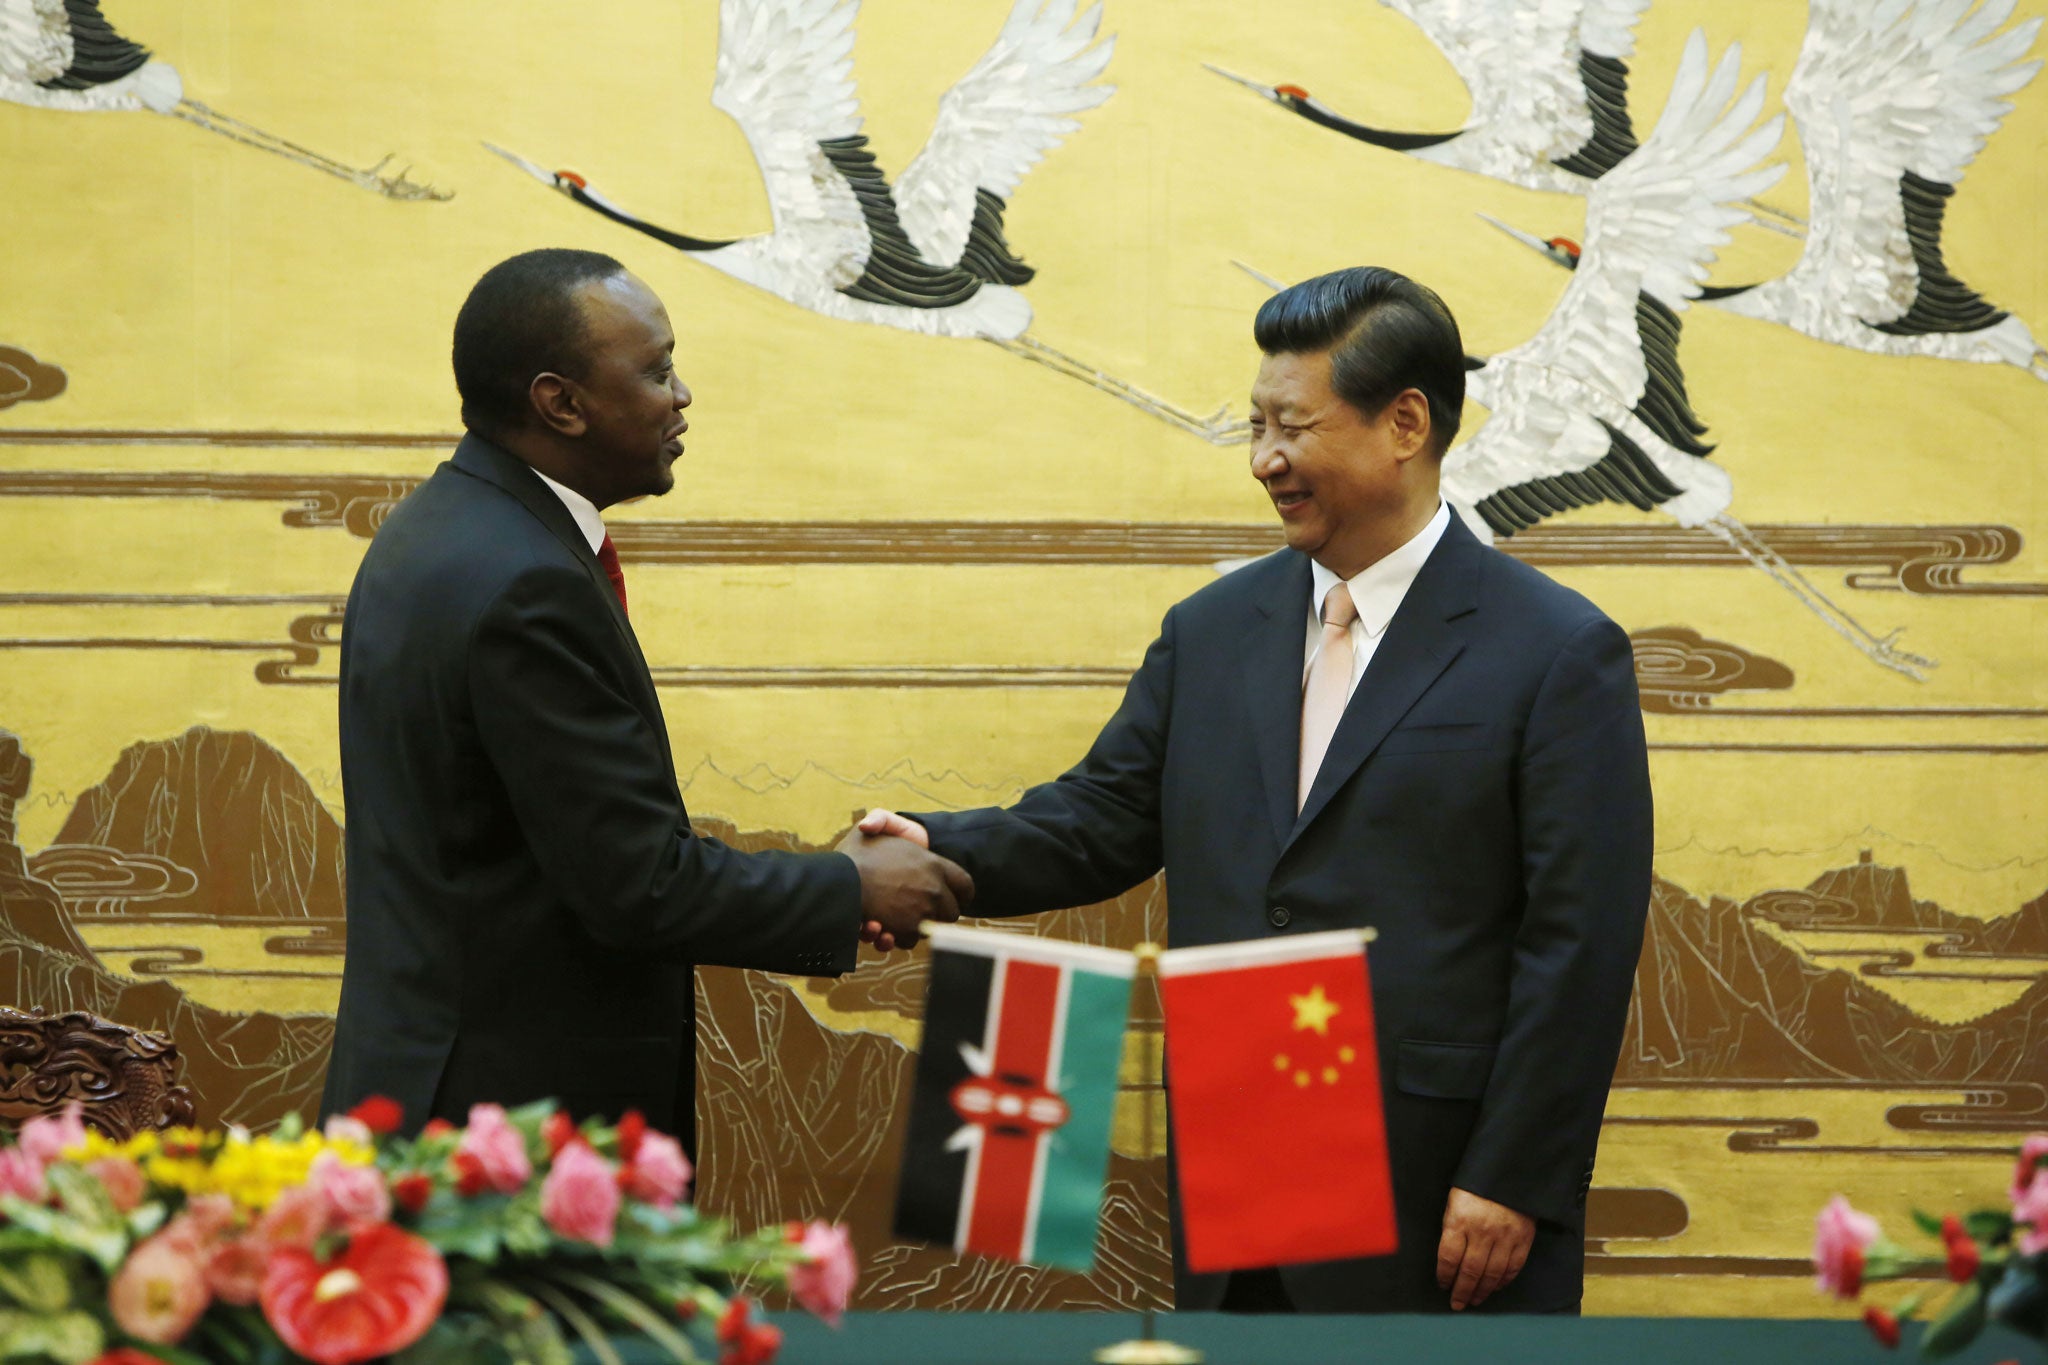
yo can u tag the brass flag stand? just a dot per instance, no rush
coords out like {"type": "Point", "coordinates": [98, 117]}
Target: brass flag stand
{"type": "Point", "coordinates": [1148, 1349]}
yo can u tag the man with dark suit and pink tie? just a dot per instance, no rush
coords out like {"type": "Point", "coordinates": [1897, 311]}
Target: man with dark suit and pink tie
{"type": "Point", "coordinates": [1387, 723]}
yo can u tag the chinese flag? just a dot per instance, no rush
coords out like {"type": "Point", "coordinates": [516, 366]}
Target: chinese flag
{"type": "Point", "coordinates": [1269, 1049]}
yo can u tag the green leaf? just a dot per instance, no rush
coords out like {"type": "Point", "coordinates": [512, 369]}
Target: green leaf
{"type": "Point", "coordinates": [70, 1338]}
{"type": "Point", "coordinates": [40, 1283]}
{"type": "Point", "coordinates": [108, 1247]}
{"type": "Point", "coordinates": [1927, 1222]}
{"type": "Point", "coordinates": [1991, 1227]}
{"type": "Point", "coordinates": [525, 1231]}
{"type": "Point", "coordinates": [1958, 1325]}
{"type": "Point", "coordinates": [579, 1321]}
{"type": "Point", "coordinates": [463, 1227]}
{"type": "Point", "coordinates": [624, 1305]}
{"type": "Point", "coordinates": [85, 1198]}
{"type": "Point", "coordinates": [461, 1339]}
{"type": "Point", "coordinates": [536, 1336]}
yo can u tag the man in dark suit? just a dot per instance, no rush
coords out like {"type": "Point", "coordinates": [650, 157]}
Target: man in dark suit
{"type": "Point", "coordinates": [1387, 723]}
{"type": "Point", "coordinates": [526, 898]}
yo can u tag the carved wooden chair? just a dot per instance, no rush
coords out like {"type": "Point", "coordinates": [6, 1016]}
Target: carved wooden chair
{"type": "Point", "coordinates": [126, 1079]}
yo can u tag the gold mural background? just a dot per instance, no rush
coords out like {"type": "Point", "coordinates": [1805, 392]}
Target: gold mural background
{"type": "Point", "coordinates": [1844, 985]}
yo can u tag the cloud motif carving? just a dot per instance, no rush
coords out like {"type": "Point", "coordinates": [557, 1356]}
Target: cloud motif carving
{"type": "Point", "coordinates": [1679, 671]}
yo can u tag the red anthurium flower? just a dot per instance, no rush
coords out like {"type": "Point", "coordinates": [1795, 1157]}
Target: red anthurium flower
{"type": "Point", "coordinates": [376, 1298]}
{"type": "Point", "coordinates": [1963, 1260]}
{"type": "Point", "coordinates": [379, 1114]}
{"type": "Point", "coordinates": [1882, 1325]}
{"type": "Point", "coordinates": [632, 1128]}
{"type": "Point", "coordinates": [413, 1190]}
{"type": "Point", "coordinates": [125, 1355]}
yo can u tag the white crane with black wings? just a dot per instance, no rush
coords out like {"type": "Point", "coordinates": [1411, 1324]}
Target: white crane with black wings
{"type": "Point", "coordinates": [1893, 100]}
{"type": "Point", "coordinates": [1548, 81]}
{"type": "Point", "coordinates": [1593, 408]}
{"type": "Point", "coordinates": [64, 55]}
{"type": "Point", "coordinates": [929, 254]}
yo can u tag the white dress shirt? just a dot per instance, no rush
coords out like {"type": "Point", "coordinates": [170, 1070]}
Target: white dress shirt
{"type": "Point", "coordinates": [1376, 591]}
{"type": "Point", "coordinates": [585, 512]}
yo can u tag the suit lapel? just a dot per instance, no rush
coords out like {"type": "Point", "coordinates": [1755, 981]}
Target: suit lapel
{"type": "Point", "coordinates": [1274, 648]}
{"type": "Point", "coordinates": [479, 457]}
{"type": "Point", "coordinates": [1419, 645]}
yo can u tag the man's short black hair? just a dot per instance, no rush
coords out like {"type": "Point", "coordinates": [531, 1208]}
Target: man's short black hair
{"type": "Point", "coordinates": [1385, 334]}
{"type": "Point", "coordinates": [521, 320]}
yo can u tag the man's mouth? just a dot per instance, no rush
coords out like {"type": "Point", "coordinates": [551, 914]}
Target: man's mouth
{"type": "Point", "coordinates": [1290, 501]}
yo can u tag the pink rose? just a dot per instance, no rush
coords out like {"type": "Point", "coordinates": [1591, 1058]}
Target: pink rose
{"type": "Point", "coordinates": [355, 1195]}
{"type": "Point", "coordinates": [299, 1217]}
{"type": "Point", "coordinates": [498, 1147]}
{"type": "Point", "coordinates": [21, 1175]}
{"type": "Point", "coordinates": [580, 1198]}
{"type": "Point", "coordinates": [659, 1172]}
{"type": "Point", "coordinates": [2032, 1208]}
{"type": "Point", "coordinates": [234, 1270]}
{"type": "Point", "coordinates": [47, 1139]}
{"type": "Point", "coordinates": [122, 1179]}
{"type": "Point", "coordinates": [823, 1281]}
{"type": "Point", "coordinates": [1840, 1235]}
{"type": "Point", "coordinates": [159, 1291]}
{"type": "Point", "coordinates": [2033, 1152]}
{"type": "Point", "coordinates": [206, 1219]}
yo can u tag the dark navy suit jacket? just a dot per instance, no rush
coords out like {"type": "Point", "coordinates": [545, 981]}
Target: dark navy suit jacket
{"type": "Point", "coordinates": [526, 899]}
{"type": "Point", "coordinates": [1485, 804]}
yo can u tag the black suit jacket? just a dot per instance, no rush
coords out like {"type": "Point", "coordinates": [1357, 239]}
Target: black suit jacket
{"type": "Point", "coordinates": [1485, 804]}
{"type": "Point", "coordinates": [526, 898]}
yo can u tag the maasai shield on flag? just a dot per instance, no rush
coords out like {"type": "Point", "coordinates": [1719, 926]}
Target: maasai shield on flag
{"type": "Point", "coordinates": [1010, 1122]}
{"type": "Point", "coordinates": [1273, 1082]}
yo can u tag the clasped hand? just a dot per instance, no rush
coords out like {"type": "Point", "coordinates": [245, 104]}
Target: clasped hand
{"type": "Point", "coordinates": [902, 883]}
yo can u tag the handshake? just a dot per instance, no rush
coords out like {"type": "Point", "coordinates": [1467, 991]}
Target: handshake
{"type": "Point", "coordinates": [902, 883]}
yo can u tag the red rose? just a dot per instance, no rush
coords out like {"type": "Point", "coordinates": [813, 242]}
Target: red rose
{"type": "Point", "coordinates": [437, 1128]}
{"type": "Point", "coordinates": [379, 1114]}
{"type": "Point", "coordinates": [413, 1190]}
{"type": "Point", "coordinates": [470, 1179]}
{"type": "Point", "coordinates": [1882, 1325]}
{"type": "Point", "coordinates": [686, 1310]}
{"type": "Point", "coordinates": [757, 1345]}
{"type": "Point", "coordinates": [632, 1128]}
{"type": "Point", "coordinates": [1951, 1229]}
{"type": "Point", "coordinates": [556, 1130]}
{"type": "Point", "coordinates": [1963, 1260]}
{"type": "Point", "coordinates": [732, 1321]}
{"type": "Point", "coordinates": [376, 1298]}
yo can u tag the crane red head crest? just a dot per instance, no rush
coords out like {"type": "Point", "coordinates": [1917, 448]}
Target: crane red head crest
{"type": "Point", "coordinates": [1294, 92]}
{"type": "Point", "coordinates": [1567, 246]}
{"type": "Point", "coordinates": [574, 179]}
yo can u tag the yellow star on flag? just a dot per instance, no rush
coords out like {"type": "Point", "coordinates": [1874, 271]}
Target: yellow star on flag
{"type": "Point", "coordinates": [1314, 1010]}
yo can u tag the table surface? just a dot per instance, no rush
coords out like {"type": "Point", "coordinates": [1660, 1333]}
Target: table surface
{"type": "Point", "coordinates": [1227, 1339]}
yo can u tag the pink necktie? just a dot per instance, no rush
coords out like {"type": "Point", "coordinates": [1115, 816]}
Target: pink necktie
{"type": "Point", "coordinates": [608, 560]}
{"type": "Point", "coordinates": [1328, 687]}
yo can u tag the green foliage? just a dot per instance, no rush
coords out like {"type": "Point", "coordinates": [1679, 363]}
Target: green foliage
{"type": "Point", "coordinates": [1959, 1323]}
{"type": "Point", "coordinates": [71, 1337]}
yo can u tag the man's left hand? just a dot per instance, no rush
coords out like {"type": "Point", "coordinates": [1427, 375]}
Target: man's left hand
{"type": "Point", "coordinates": [1483, 1247]}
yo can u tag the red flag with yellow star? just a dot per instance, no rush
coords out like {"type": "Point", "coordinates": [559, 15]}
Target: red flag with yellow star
{"type": "Point", "coordinates": [1269, 1049]}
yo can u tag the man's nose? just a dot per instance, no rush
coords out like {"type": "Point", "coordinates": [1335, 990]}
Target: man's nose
{"type": "Point", "coordinates": [682, 393]}
{"type": "Point", "coordinates": [1267, 459]}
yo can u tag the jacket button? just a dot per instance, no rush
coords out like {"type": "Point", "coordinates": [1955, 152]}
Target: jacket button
{"type": "Point", "coordinates": [1278, 917]}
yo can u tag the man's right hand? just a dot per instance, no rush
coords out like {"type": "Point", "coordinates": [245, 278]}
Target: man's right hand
{"type": "Point", "coordinates": [902, 885]}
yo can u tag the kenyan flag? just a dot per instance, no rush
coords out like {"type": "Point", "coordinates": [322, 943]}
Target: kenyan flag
{"type": "Point", "coordinates": [1016, 1092]}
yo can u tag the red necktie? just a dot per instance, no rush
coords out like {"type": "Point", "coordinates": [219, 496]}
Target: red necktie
{"type": "Point", "coordinates": [608, 560]}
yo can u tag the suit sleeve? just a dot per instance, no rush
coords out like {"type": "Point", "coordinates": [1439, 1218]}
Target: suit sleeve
{"type": "Point", "coordinates": [588, 783]}
{"type": "Point", "coordinates": [1585, 813]}
{"type": "Point", "coordinates": [1091, 833]}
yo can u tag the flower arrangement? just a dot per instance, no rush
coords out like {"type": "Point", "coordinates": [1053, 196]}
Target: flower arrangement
{"type": "Point", "coordinates": [504, 1240]}
{"type": "Point", "coordinates": [1995, 1259]}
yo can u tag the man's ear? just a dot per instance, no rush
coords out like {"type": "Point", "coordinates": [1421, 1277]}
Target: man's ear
{"type": "Point", "coordinates": [557, 403]}
{"type": "Point", "coordinates": [1408, 419]}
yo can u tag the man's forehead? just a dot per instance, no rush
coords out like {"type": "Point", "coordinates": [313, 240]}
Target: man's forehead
{"type": "Point", "coordinates": [1292, 380]}
{"type": "Point", "coordinates": [621, 309]}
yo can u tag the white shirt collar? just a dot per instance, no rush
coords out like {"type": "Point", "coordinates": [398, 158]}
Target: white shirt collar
{"type": "Point", "coordinates": [585, 512]}
{"type": "Point", "coordinates": [1377, 589]}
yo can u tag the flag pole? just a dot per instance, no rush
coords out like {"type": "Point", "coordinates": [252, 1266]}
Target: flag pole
{"type": "Point", "coordinates": [1147, 1349]}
